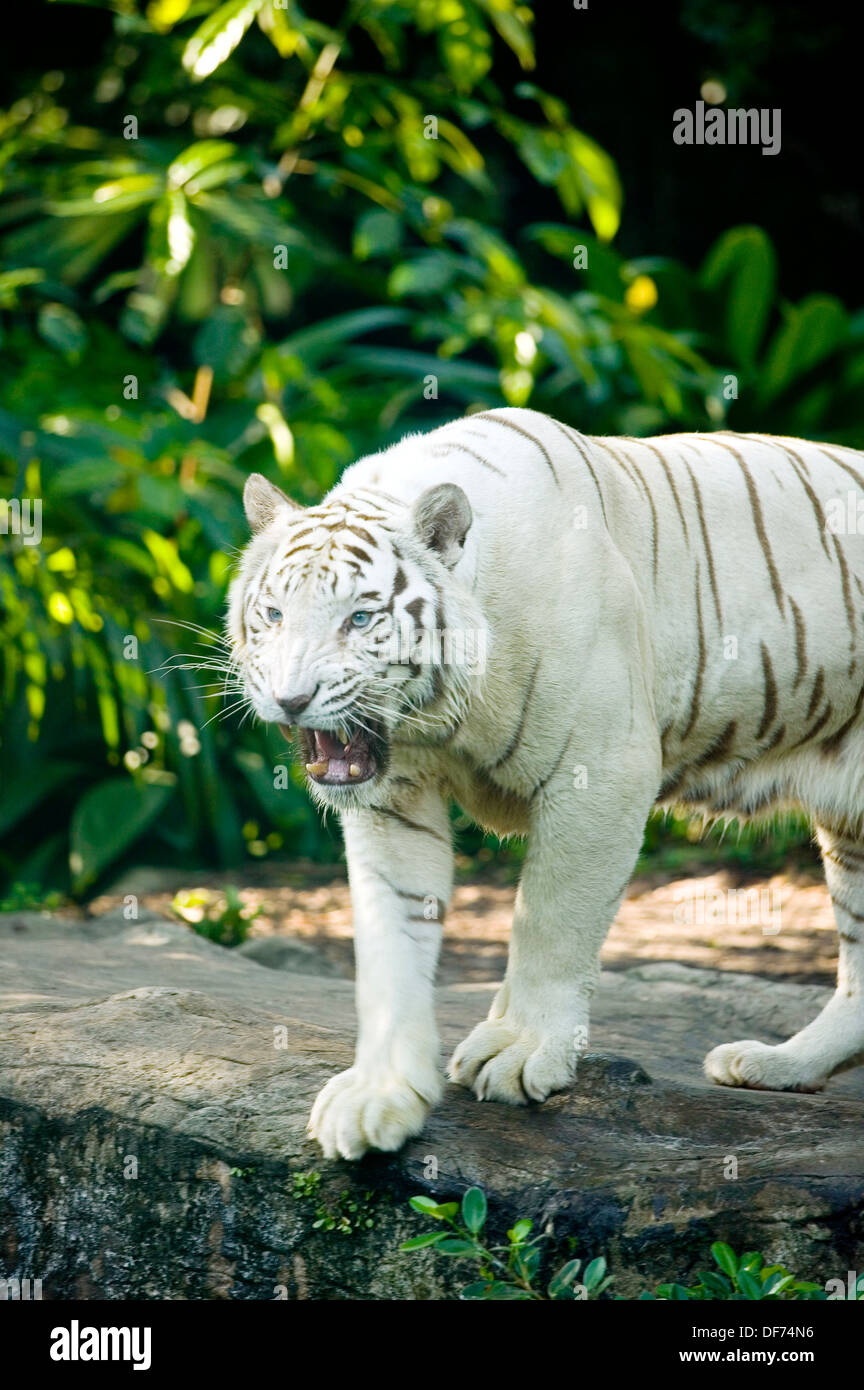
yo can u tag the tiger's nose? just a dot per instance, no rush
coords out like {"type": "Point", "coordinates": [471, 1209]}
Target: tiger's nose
{"type": "Point", "coordinates": [297, 703]}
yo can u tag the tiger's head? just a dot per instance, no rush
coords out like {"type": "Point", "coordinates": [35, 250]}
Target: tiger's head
{"type": "Point", "coordinates": [347, 623]}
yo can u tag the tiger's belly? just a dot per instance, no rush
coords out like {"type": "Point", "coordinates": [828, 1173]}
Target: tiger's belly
{"type": "Point", "coordinates": [819, 779]}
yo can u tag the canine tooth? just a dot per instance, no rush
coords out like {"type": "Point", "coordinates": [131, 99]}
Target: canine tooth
{"type": "Point", "coordinates": [318, 769]}
{"type": "Point", "coordinates": [354, 770]}
{"type": "Point", "coordinates": [343, 734]}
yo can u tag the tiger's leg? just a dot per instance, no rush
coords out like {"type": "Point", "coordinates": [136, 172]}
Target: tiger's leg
{"type": "Point", "coordinates": [400, 867]}
{"type": "Point", "coordinates": [583, 846]}
{"type": "Point", "coordinates": [836, 1036]}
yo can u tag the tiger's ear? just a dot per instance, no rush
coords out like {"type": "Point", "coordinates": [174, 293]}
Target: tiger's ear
{"type": "Point", "coordinates": [442, 518]}
{"type": "Point", "coordinates": [263, 501]}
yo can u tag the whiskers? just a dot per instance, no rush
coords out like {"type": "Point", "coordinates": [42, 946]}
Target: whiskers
{"type": "Point", "coordinates": [218, 661]}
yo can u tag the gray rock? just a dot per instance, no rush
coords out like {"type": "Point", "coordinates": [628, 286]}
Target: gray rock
{"type": "Point", "coordinates": [154, 1090]}
{"type": "Point", "coordinates": [287, 953]}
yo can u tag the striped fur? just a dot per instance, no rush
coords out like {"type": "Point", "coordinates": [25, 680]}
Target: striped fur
{"type": "Point", "coordinates": [668, 620]}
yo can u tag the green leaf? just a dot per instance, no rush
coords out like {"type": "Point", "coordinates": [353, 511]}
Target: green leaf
{"type": "Point", "coordinates": [108, 819]}
{"type": "Point", "coordinates": [427, 273]}
{"type": "Point", "coordinates": [11, 281]}
{"type": "Point", "coordinates": [476, 1291]}
{"type": "Point", "coordinates": [544, 153]}
{"type": "Point", "coordinates": [725, 1257]}
{"type": "Point", "coordinates": [418, 1242]}
{"type": "Point", "coordinates": [94, 478]}
{"type": "Point", "coordinates": [528, 1261]}
{"type": "Point", "coordinates": [678, 1293]}
{"type": "Point", "coordinates": [427, 1206]}
{"type": "Point", "coordinates": [226, 341]}
{"type": "Point", "coordinates": [499, 1291]}
{"type": "Point", "coordinates": [474, 1209]}
{"type": "Point", "coordinates": [63, 329]}
{"type": "Point", "coordinates": [716, 1284]}
{"type": "Point", "coordinates": [742, 265]}
{"type": "Point", "coordinates": [216, 39]}
{"type": "Point", "coordinates": [203, 154]}
{"type": "Point", "coordinates": [378, 233]}
{"type": "Point", "coordinates": [107, 199]}
{"type": "Point", "coordinates": [506, 17]}
{"type": "Point", "coordinates": [752, 1260]}
{"type": "Point", "coordinates": [811, 331]}
{"type": "Point", "coordinates": [466, 51]}
{"type": "Point", "coordinates": [594, 1274]}
{"type": "Point", "coordinates": [328, 335]}
{"type": "Point", "coordinates": [285, 37]}
{"type": "Point", "coordinates": [520, 1232]}
{"type": "Point", "coordinates": [749, 1284]}
{"type": "Point", "coordinates": [564, 1278]}
{"type": "Point", "coordinates": [456, 1245]}
{"type": "Point", "coordinates": [775, 1283]}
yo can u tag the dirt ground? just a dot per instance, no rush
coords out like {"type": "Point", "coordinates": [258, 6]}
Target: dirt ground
{"type": "Point", "coordinates": [781, 926]}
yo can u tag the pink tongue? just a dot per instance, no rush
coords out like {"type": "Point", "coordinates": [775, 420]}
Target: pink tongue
{"type": "Point", "coordinates": [329, 746]}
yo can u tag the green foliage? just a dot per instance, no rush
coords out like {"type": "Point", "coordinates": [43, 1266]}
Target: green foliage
{"type": "Point", "coordinates": [23, 897]}
{"type": "Point", "coordinates": [306, 1185]}
{"type": "Point", "coordinates": [742, 1278]}
{"type": "Point", "coordinates": [347, 1214]}
{"type": "Point", "coordinates": [242, 282]}
{"type": "Point", "coordinates": [223, 918]}
{"type": "Point", "coordinates": [507, 1271]}
{"type": "Point", "coordinates": [513, 1271]}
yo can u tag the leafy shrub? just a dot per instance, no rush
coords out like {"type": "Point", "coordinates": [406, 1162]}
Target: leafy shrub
{"type": "Point", "coordinates": [513, 1270]}
{"type": "Point", "coordinates": [283, 285]}
{"type": "Point", "coordinates": [740, 1278]}
{"type": "Point", "coordinates": [508, 1271]}
{"type": "Point", "coordinates": [223, 918]}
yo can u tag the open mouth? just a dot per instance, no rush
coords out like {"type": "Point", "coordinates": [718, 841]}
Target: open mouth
{"type": "Point", "coordinates": [341, 758]}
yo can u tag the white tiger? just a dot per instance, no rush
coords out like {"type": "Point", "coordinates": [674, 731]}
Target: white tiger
{"type": "Point", "coordinates": [627, 622]}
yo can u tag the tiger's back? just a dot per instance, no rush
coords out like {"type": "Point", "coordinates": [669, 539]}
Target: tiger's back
{"type": "Point", "coordinates": [756, 603]}
{"type": "Point", "coordinates": [742, 553]}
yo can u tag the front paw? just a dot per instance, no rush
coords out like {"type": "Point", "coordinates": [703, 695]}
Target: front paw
{"type": "Point", "coordinates": [761, 1067]}
{"type": "Point", "coordinates": [356, 1112]}
{"type": "Point", "coordinates": [500, 1060]}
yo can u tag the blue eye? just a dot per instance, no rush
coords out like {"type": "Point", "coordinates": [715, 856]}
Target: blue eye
{"type": "Point", "coordinates": [273, 615]}
{"type": "Point", "coordinates": [361, 618]}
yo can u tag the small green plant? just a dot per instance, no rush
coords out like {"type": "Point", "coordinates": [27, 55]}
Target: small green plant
{"type": "Point", "coordinates": [512, 1271]}
{"type": "Point", "coordinates": [508, 1271]}
{"type": "Point", "coordinates": [225, 918]}
{"type": "Point", "coordinates": [306, 1184]}
{"type": "Point", "coordinates": [25, 897]}
{"type": "Point", "coordinates": [241, 1172]}
{"type": "Point", "coordinates": [347, 1214]}
{"type": "Point", "coordinates": [740, 1278]}
{"type": "Point", "coordinates": [350, 1213]}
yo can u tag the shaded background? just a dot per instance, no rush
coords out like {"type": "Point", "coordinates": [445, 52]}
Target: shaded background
{"type": "Point", "coordinates": [269, 273]}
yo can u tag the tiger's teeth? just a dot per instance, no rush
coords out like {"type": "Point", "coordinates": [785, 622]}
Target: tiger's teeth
{"type": "Point", "coordinates": [354, 770]}
{"type": "Point", "coordinates": [343, 734]}
{"type": "Point", "coordinates": [318, 769]}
